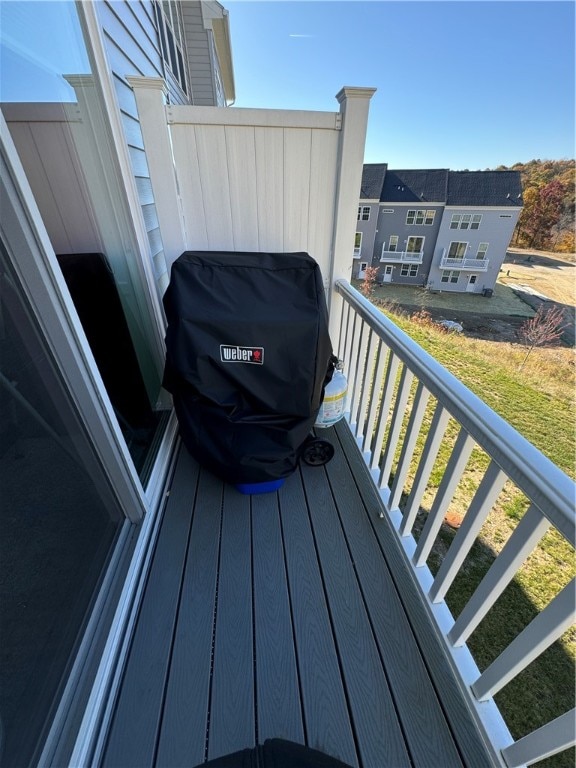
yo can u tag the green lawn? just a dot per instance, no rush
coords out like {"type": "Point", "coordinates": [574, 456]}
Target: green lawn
{"type": "Point", "coordinates": [538, 401]}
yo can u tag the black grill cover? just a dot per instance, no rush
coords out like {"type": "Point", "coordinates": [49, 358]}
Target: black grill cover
{"type": "Point", "coordinates": [247, 357]}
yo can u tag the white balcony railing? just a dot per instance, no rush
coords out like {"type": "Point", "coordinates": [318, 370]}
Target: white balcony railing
{"type": "Point", "coordinates": [398, 394]}
{"type": "Point", "coordinates": [473, 265]}
{"type": "Point", "coordinates": [403, 257]}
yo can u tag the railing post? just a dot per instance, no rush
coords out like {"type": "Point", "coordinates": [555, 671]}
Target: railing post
{"type": "Point", "coordinates": [150, 94]}
{"type": "Point", "coordinates": [354, 104]}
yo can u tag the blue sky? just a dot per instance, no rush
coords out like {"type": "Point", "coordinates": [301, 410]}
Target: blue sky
{"type": "Point", "coordinates": [461, 83]}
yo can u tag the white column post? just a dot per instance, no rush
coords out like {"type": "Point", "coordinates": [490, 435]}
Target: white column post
{"type": "Point", "coordinates": [354, 104]}
{"type": "Point", "coordinates": [150, 94]}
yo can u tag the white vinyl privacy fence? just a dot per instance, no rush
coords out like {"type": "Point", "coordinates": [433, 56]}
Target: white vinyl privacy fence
{"type": "Point", "coordinates": [256, 179]}
{"type": "Point", "coordinates": [405, 410]}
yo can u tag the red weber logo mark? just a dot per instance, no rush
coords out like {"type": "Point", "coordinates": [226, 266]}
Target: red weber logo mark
{"type": "Point", "coordinates": [231, 354]}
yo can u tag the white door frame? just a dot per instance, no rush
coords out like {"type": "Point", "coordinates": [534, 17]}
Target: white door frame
{"type": "Point", "coordinates": [470, 285]}
{"type": "Point", "coordinates": [388, 271]}
{"type": "Point", "coordinates": [35, 263]}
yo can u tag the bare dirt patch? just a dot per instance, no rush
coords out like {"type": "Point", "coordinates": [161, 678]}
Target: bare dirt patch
{"type": "Point", "coordinates": [548, 274]}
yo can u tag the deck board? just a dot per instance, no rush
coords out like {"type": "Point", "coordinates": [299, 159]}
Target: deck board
{"type": "Point", "coordinates": [279, 713]}
{"type": "Point", "coordinates": [232, 724]}
{"type": "Point", "coordinates": [132, 739]}
{"type": "Point", "coordinates": [326, 714]}
{"type": "Point", "coordinates": [285, 615]}
{"type": "Point", "coordinates": [185, 714]}
{"type": "Point", "coordinates": [429, 739]}
{"type": "Point", "coordinates": [369, 696]}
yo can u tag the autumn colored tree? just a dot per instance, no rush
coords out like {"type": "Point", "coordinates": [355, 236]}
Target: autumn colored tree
{"type": "Point", "coordinates": [545, 328]}
{"type": "Point", "coordinates": [541, 212]}
{"type": "Point", "coordinates": [368, 284]}
{"type": "Point", "coordinates": [536, 175]}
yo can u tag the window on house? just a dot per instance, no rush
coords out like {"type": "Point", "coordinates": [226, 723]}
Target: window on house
{"type": "Point", "coordinates": [393, 244]}
{"type": "Point", "coordinates": [465, 221]}
{"type": "Point", "coordinates": [420, 217]}
{"type": "Point", "coordinates": [409, 270]}
{"type": "Point", "coordinates": [505, 215]}
{"type": "Point", "coordinates": [170, 33]}
{"type": "Point", "coordinates": [357, 244]}
{"type": "Point", "coordinates": [449, 276]}
{"type": "Point", "coordinates": [387, 210]}
{"type": "Point", "coordinates": [364, 213]}
{"type": "Point", "coordinates": [415, 245]}
{"type": "Point", "coordinates": [481, 252]}
{"type": "Point", "coordinates": [457, 250]}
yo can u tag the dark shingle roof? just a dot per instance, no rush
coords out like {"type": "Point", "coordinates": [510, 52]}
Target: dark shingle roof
{"type": "Point", "coordinates": [415, 186]}
{"type": "Point", "coordinates": [372, 181]}
{"type": "Point", "coordinates": [470, 188]}
{"type": "Point", "coordinates": [498, 188]}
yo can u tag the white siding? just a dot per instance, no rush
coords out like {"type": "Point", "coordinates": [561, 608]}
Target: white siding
{"type": "Point", "coordinates": [131, 43]}
{"type": "Point", "coordinates": [198, 55]}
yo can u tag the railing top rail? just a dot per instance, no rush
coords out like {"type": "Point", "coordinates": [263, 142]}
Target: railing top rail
{"type": "Point", "coordinates": [552, 491]}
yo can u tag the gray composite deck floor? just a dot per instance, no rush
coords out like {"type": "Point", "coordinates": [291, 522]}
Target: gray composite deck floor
{"type": "Point", "coordinates": [285, 615]}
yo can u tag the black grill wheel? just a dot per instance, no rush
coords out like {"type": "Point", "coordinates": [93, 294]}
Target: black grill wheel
{"type": "Point", "coordinates": [317, 452]}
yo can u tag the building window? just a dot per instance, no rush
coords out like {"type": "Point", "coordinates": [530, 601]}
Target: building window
{"type": "Point", "coordinates": [387, 210]}
{"type": "Point", "coordinates": [449, 276]}
{"type": "Point", "coordinates": [465, 221]}
{"type": "Point", "coordinates": [415, 245]}
{"type": "Point", "coordinates": [357, 244]}
{"type": "Point", "coordinates": [393, 244]}
{"type": "Point", "coordinates": [457, 250]}
{"type": "Point", "coordinates": [171, 35]}
{"type": "Point", "coordinates": [364, 213]}
{"type": "Point", "coordinates": [420, 217]}
{"type": "Point", "coordinates": [481, 252]}
{"type": "Point", "coordinates": [505, 215]}
{"type": "Point", "coordinates": [409, 270]}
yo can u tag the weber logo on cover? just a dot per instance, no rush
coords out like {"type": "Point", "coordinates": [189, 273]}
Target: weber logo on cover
{"type": "Point", "coordinates": [233, 354]}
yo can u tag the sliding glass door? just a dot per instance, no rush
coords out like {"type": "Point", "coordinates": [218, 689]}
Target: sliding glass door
{"type": "Point", "coordinates": [52, 103]}
{"type": "Point", "coordinates": [82, 411]}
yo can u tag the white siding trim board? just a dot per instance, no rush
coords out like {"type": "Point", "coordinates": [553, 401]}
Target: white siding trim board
{"type": "Point", "coordinates": [266, 118]}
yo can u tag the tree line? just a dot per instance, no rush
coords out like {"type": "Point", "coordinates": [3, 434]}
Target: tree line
{"type": "Point", "coordinates": [547, 219]}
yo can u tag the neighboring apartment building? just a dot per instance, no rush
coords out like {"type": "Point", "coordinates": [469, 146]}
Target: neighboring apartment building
{"type": "Point", "coordinates": [445, 230]}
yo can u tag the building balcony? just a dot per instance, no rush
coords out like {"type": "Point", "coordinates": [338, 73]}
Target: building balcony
{"type": "Point", "coordinates": [402, 257]}
{"type": "Point", "coordinates": [311, 614]}
{"type": "Point", "coordinates": [469, 265]}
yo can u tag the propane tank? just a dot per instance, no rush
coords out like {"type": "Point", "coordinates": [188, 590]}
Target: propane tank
{"type": "Point", "coordinates": [333, 405]}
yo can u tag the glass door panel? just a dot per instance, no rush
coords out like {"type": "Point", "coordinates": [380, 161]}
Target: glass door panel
{"type": "Point", "coordinates": [55, 113]}
{"type": "Point", "coordinates": [59, 520]}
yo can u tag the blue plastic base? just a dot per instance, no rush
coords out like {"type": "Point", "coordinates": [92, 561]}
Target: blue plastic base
{"type": "Point", "coordinates": [253, 488]}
